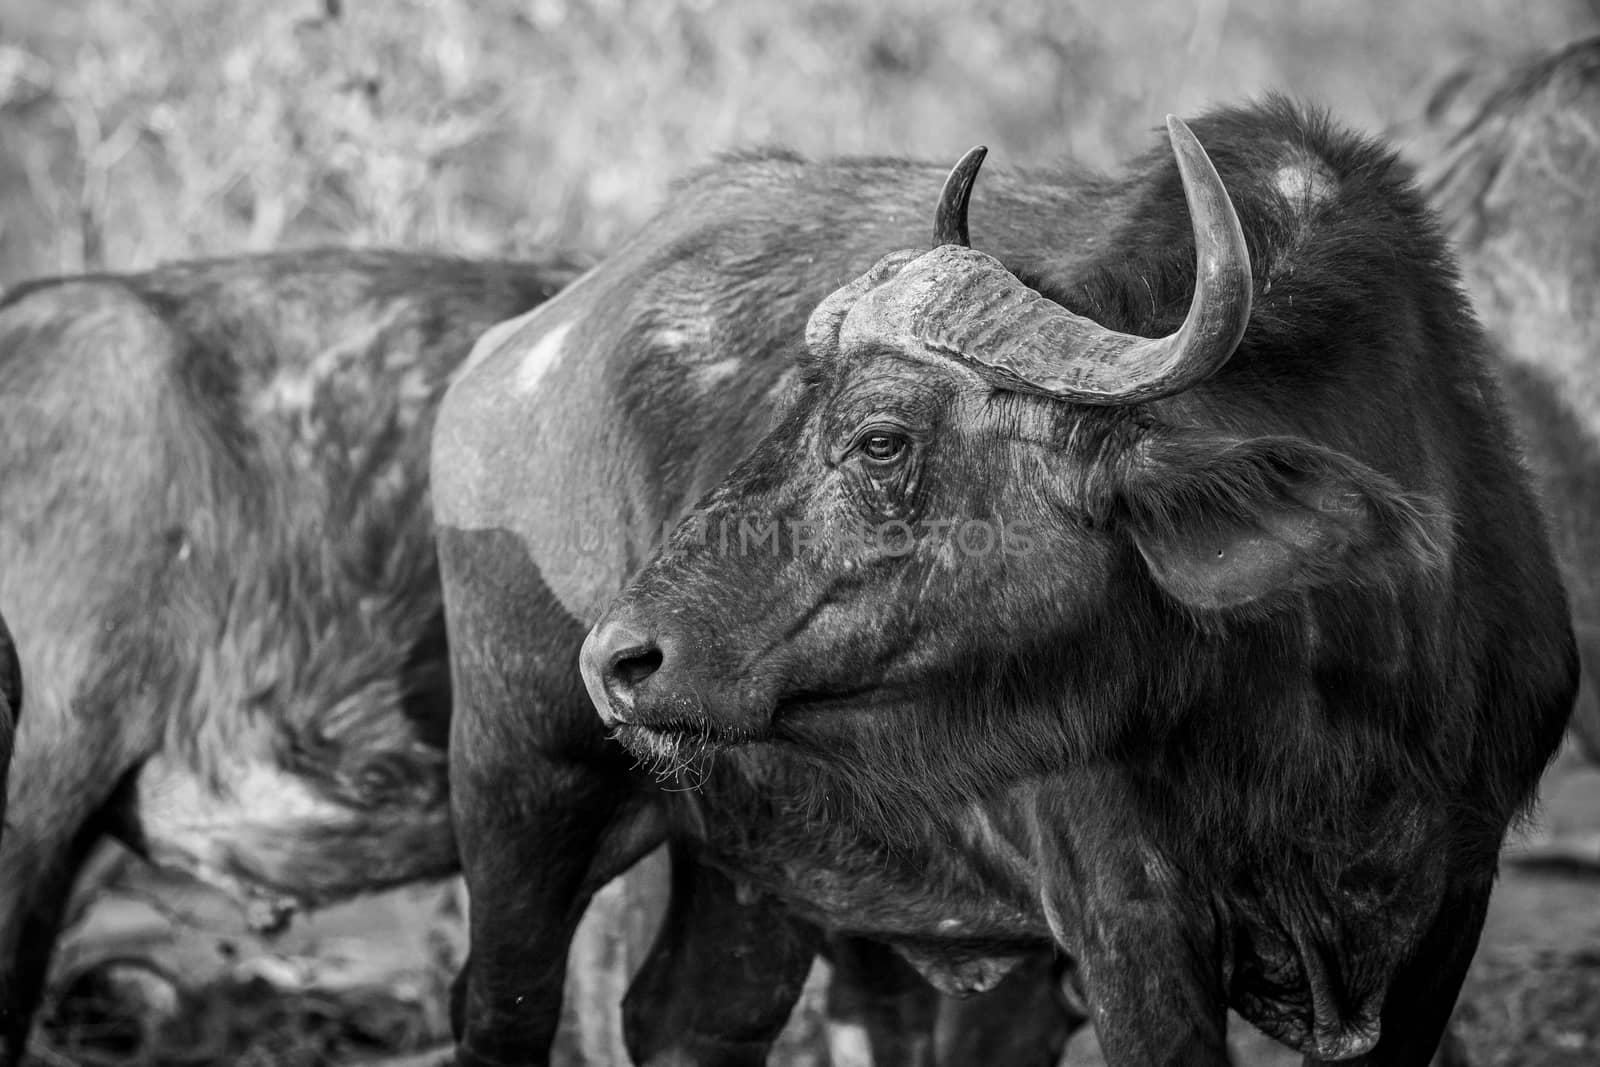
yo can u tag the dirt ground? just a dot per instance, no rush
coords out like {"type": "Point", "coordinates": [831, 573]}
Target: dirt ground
{"type": "Point", "coordinates": [161, 972]}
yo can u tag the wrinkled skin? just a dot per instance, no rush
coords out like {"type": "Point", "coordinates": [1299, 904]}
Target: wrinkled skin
{"type": "Point", "coordinates": [217, 557]}
{"type": "Point", "coordinates": [1517, 187]}
{"type": "Point", "coordinates": [1242, 726]}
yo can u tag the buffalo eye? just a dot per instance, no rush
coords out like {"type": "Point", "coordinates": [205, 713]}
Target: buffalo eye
{"type": "Point", "coordinates": [885, 469]}
{"type": "Point", "coordinates": [882, 447]}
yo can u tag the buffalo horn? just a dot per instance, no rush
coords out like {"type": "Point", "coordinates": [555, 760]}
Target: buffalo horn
{"type": "Point", "coordinates": [950, 220]}
{"type": "Point", "coordinates": [964, 303]}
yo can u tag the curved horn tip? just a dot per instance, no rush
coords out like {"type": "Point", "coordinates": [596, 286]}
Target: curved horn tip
{"type": "Point", "coordinates": [1208, 198]}
{"type": "Point", "coordinates": [1184, 142]}
{"type": "Point", "coordinates": [1201, 182]}
{"type": "Point", "coordinates": [971, 159]}
{"type": "Point", "coordinates": [1223, 286]}
{"type": "Point", "coordinates": [950, 221]}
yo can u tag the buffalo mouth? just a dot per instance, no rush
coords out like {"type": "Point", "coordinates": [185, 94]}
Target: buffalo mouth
{"type": "Point", "coordinates": [679, 750]}
{"type": "Point", "coordinates": [684, 747]}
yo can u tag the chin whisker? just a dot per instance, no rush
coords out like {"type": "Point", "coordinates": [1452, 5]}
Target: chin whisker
{"type": "Point", "coordinates": [678, 760]}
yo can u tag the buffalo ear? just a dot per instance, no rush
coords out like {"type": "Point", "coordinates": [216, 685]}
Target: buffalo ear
{"type": "Point", "coordinates": [1225, 522]}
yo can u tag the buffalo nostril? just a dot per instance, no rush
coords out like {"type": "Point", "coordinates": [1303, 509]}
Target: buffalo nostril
{"type": "Point", "coordinates": [632, 668]}
{"type": "Point", "coordinates": [616, 662]}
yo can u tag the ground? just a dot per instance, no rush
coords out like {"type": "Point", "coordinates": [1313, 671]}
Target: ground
{"type": "Point", "coordinates": [365, 983]}
{"type": "Point", "coordinates": [135, 131]}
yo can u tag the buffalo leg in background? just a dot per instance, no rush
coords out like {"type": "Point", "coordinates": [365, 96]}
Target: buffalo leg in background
{"type": "Point", "coordinates": [85, 483]}
{"type": "Point", "coordinates": [1026, 1021]}
{"type": "Point", "coordinates": [722, 979]}
{"type": "Point", "coordinates": [64, 775]}
{"type": "Point", "coordinates": [881, 1013]}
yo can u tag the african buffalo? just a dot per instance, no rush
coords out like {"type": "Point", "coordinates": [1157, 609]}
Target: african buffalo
{"type": "Point", "coordinates": [1039, 594]}
{"type": "Point", "coordinates": [218, 556]}
{"type": "Point", "coordinates": [1518, 189]}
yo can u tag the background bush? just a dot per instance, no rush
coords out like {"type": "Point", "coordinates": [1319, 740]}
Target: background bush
{"type": "Point", "coordinates": [133, 131]}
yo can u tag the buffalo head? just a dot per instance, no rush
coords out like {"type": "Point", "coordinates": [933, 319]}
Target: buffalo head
{"type": "Point", "coordinates": [979, 500]}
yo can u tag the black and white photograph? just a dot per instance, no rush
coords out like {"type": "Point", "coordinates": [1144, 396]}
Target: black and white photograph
{"type": "Point", "coordinates": [799, 533]}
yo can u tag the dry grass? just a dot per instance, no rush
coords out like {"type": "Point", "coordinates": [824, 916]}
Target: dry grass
{"type": "Point", "coordinates": [133, 131]}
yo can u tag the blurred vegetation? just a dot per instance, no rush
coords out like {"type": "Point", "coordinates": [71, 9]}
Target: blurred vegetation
{"type": "Point", "coordinates": [133, 131]}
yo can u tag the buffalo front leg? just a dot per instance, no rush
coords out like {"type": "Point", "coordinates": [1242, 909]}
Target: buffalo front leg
{"type": "Point", "coordinates": [1148, 954]}
{"type": "Point", "coordinates": [529, 882]}
{"type": "Point", "coordinates": [722, 978]}
{"type": "Point", "coordinates": [1155, 992]}
{"type": "Point", "coordinates": [544, 810]}
{"type": "Point", "coordinates": [538, 836]}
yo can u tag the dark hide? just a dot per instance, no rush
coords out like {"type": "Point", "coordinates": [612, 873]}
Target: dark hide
{"type": "Point", "coordinates": [1278, 782]}
{"type": "Point", "coordinates": [218, 557]}
{"type": "Point", "coordinates": [10, 707]}
{"type": "Point", "coordinates": [1518, 189]}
